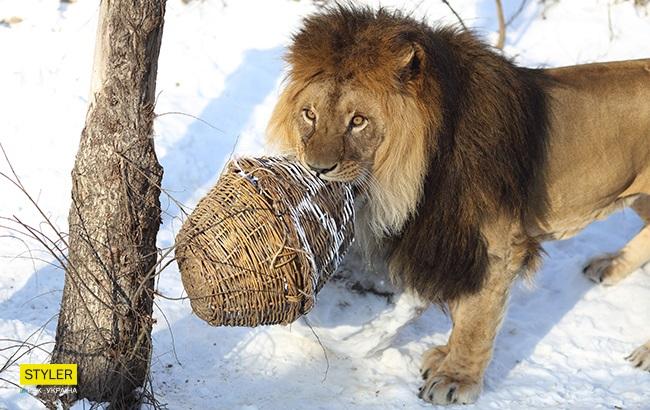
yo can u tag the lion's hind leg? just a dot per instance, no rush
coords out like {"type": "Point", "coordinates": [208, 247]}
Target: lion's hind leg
{"type": "Point", "coordinates": [610, 269]}
{"type": "Point", "coordinates": [641, 357]}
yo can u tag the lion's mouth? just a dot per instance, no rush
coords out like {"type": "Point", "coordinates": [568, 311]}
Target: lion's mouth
{"type": "Point", "coordinates": [335, 178]}
{"type": "Point", "coordinates": [337, 173]}
{"type": "Point", "coordinates": [345, 174]}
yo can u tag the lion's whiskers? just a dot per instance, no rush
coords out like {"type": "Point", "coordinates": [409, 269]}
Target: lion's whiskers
{"type": "Point", "coordinates": [367, 182]}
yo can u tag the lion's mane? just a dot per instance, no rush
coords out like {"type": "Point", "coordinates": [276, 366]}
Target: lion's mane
{"type": "Point", "coordinates": [480, 123]}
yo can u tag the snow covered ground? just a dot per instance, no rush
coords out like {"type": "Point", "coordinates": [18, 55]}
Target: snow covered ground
{"type": "Point", "coordinates": [562, 344]}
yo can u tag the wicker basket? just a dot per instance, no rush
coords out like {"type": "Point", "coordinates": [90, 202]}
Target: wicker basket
{"type": "Point", "coordinates": [262, 242]}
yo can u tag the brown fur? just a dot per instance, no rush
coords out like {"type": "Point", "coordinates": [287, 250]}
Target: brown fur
{"type": "Point", "coordinates": [467, 163]}
{"type": "Point", "coordinates": [462, 137]}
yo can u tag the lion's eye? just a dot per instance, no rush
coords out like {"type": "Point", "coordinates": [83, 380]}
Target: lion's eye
{"type": "Point", "coordinates": [309, 115]}
{"type": "Point", "coordinates": [358, 121]}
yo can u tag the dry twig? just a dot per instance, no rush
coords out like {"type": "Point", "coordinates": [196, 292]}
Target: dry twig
{"type": "Point", "coordinates": [460, 20]}
{"type": "Point", "coordinates": [501, 41]}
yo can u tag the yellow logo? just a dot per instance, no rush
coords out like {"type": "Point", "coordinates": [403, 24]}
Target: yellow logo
{"type": "Point", "coordinates": [48, 374]}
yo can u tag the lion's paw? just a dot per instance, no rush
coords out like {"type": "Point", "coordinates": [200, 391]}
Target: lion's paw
{"type": "Point", "coordinates": [607, 269]}
{"type": "Point", "coordinates": [432, 359]}
{"type": "Point", "coordinates": [444, 389]}
{"type": "Point", "coordinates": [640, 357]}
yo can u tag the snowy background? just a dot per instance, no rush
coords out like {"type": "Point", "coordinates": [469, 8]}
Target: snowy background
{"type": "Point", "coordinates": [564, 339]}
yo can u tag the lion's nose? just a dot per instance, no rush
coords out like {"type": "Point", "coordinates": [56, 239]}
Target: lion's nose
{"type": "Point", "coordinates": [321, 171]}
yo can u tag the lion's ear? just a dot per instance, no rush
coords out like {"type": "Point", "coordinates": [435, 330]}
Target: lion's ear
{"type": "Point", "coordinates": [411, 63]}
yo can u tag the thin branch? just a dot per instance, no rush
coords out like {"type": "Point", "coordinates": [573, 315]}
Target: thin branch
{"type": "Point", "coordinates": [182, 207]}
{"type": "Point", "coordinates": [191, 116]}
{"type": "Point", "coordinates": [169, 329]}
{"type": "Point", "coordinates": [327, 360]}
{"type": "Point", "coordinates": [501, 41]}
{"type": "Point", "coordinates": [517, 13]}
{"type": "Point", "coordinates": [19, 184]}
{"type": "Point", "coordinates": [460, 20]}
{"type": "Point", "coordinates": [609, 22]}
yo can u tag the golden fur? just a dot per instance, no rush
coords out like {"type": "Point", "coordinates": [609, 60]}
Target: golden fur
{"type": "Point", "coordinates": [396, 154]}
{"type": "Point", "coordinates": [467, 163]}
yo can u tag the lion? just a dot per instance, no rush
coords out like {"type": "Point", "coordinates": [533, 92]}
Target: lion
{"type": "Point", "coordinates": [465, 163]}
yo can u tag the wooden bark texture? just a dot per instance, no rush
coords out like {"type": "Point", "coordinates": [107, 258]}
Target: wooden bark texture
{"type": "Point", "coordinates": [105, 320]}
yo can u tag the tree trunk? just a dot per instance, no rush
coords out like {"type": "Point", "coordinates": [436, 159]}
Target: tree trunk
{"type": "Point", "coordinates": [105, 320]}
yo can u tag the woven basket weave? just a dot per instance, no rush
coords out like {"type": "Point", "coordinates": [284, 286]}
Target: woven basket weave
{"type": "Point", "coordinates": [262, 242]}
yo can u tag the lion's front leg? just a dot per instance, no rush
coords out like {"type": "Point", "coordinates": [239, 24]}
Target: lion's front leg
{"type": "Point", "coordinates": [432, 359]}
{"type": "Point", "coordinates": [640, 357]}
{"type": "Point", "coordinates": [454, 373]}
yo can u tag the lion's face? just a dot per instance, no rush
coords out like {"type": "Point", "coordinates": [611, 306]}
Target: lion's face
{"type": "Point", "coordinates": [337, 130]}
{"type": "Point", "coordinates": [344, 131]}
{"type": "Point", "coordinates": [359, 111]}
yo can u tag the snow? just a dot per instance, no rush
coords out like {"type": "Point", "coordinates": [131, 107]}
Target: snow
{"type": "Point", "coordinates": [562, 343]}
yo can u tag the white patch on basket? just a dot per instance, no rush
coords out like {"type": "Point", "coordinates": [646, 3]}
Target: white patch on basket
{"type": "Point", "coordinates": [307, 208]}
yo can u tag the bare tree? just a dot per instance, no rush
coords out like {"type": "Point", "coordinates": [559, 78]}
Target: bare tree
{"type": "Point", "coordinates": [105, 320]}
